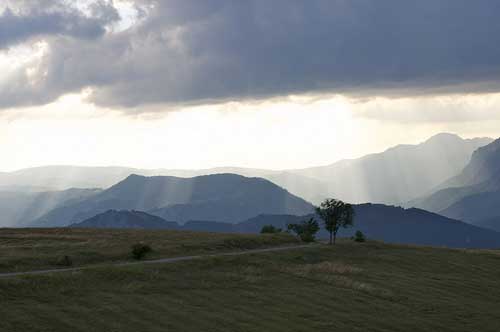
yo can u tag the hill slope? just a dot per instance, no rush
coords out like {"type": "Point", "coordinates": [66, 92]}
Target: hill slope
{"type": "Point", "coordinates": [19, 208]}
{"type": "Point", "coordinates": [52, 178]}
{"type": "Point", "coordinates": [398, 174]}
{"type": "Point", "coordinates": [473, 195]}
{"type": "Point", "coordinates": [126, 219]}
{"type": "Point", "coordinates": [220, 197]}
{"type": "Point", "coordinates": [397, 225]}
{"type": "Point", "coordinates": [352, 287]}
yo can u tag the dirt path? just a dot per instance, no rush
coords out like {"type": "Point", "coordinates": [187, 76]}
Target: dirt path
{"type": "Point", "coordinates": [154, 261]}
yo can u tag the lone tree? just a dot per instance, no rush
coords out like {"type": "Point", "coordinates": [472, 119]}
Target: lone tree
{"type": "Point", "coordinates": [306, 230]}
{"type": "Point", "coordinates": [335, 214]}
{"type": "Point", "coordinates": [359, 236]}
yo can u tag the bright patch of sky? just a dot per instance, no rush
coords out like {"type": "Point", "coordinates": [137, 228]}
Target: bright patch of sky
{"type": "Point", "coordinates": [276, 133]}
{"type": "Point", "coordinates": [293, 132]}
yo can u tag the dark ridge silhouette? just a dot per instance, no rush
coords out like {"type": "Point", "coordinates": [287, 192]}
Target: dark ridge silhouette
{"type": "Point", "coordinates": [416, 226]}
{"type": "Point", "coordinates": [376, 221]}
{"type": "Point", "coordinates": [398, 225]}
{"type": "Point", "coordinates": [209, 226]}
{"type": "Point", "coordinates": [220, 197]}
{"type": "Point", "coordinates": [255, 224]}
{"type": "Point", "coordinates": [126, 219]}
{"type": "Point", "coordinates": [490, 223]}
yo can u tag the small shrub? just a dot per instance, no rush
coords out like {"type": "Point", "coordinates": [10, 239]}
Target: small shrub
{"type": "Point", "coordinates": [64, 261]}
{"type": "Point", "coordinates": [270, 229]}
{"type": "Point", "coordinates": [240, 243]}
{"type": "Point", "coordinates": [307, 237]}
{"type": "Point", "coordinates": [359, 237]}
{"type": "Point", "coordinates": [306, 230]}
{"type": "Point", "coordinates": [139, 250]}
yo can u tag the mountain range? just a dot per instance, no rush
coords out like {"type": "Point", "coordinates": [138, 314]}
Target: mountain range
{"type": "Point", "coordinates": [457, 178]}
{"type": "Point", "coordinates": [474, 194]}
{"type": "Point", "coordinates": [219, 197]}
{"type": "Point", "coordinates": [19, 208]}
{"type": "Point", "coordinates": [399, 174]}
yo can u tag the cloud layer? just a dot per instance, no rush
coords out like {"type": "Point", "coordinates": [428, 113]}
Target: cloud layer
{"type": "Point", "coordinates": [187, 51]}
{"type": "Point", "coordinates": [31, 19]}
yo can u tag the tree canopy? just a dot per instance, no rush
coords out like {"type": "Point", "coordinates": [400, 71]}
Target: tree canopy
{"type": "Point", "coordinates": [335, 214]}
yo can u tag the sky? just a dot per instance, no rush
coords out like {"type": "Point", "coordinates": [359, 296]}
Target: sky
{"type": "Point", "coordinates": [282, 84]}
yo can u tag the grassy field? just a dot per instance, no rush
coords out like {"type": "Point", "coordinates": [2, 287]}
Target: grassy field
{"type": "Point", "coordinates": [348, 287]}
{"type": "Point", "coordinates": [33, 249]}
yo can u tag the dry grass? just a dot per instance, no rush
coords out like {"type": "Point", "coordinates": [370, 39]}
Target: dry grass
{"type": "Point", "coordinates": [29, 249]}
{"type": "Point", "coordinates": [348, 287]}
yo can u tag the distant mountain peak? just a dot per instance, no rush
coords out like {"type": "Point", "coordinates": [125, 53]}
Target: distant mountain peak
{"type": "Point", "coordinates": [444, 137]}
{"type": "Point", "coordinates": [113, 218]}
{"type": "Point", "coordinates": [400, 173]}
{"type": "Point", "coordinates": [493, 147]}
{"type": "Point", "coordinates": [473, 194]}
{"type": "Point", "coordinates": [219, 197]}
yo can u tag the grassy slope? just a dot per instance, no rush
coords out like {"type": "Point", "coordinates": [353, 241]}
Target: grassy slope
{"type": "Point", "coordinates": [35, 249]}
{"type": "Point", "coordinates": [351, 287]}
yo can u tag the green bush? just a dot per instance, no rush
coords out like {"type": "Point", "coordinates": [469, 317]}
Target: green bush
{"type": "Point", "coordinates": [270, 229]}
{"type": "Point", "coordinates": [306, 230]}
{"type": "Point", "coordinates": [64, 261]}
{"type": "Point", "coordinates": [139, 250]}
{"type": "Point", "coordinates": [359, 237]}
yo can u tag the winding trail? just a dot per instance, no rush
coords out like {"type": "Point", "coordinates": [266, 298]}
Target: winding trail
{"type": "Point", "coordinates": [155, 261]}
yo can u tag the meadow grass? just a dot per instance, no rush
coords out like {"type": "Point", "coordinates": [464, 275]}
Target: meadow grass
{"type": "Point", "coordinates": [347, 287]}
{"type": "Point", "coordinates": [34, 249]}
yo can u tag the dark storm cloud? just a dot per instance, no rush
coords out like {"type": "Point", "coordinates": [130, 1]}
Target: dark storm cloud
{"type": "Point", "coordinates": [192, 51]}
{"type": "Point", "coordinates": [34, 19]}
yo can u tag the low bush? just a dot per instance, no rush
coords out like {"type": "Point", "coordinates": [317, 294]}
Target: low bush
{"type": "Point", "coordinates": [306, 230]}
{"type": "Point", "coordinates": [270, 229]}
{"type": "Point", "coordinates": [359, 237]}
{"type": "Point", "coordinates": [64, 261]}
{"type": "Point", "coordinates": [139, 250]}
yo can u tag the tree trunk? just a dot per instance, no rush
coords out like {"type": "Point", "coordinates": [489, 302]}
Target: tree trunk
{"type": "Point", "coordinates": [331, 237]}
{"type": "Point", "coordinates": [334, 237]}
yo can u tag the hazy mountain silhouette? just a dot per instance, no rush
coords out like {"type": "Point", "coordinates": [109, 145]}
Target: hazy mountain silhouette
{"type": "Point", "coordinates": [400, 173]}
{"type": "Point", "coordinates": [49, 178]}
{"type": "Point", "coordinates": [219, 197]}
{"type": "Point", "coordinates": [126, 219]}
{"type": "Point", "coordinates": [20, 208]}
{"type": "Point", "coordinates": [473, 195]}
{"type": "Point", "coordinates": [397, 175]}
{"type": "Point", "coordinates": [483, 168]}
{"type": "Point", "coordinates": [65, 177]}
{"type": "Point", "coordinates": [490, 223]}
